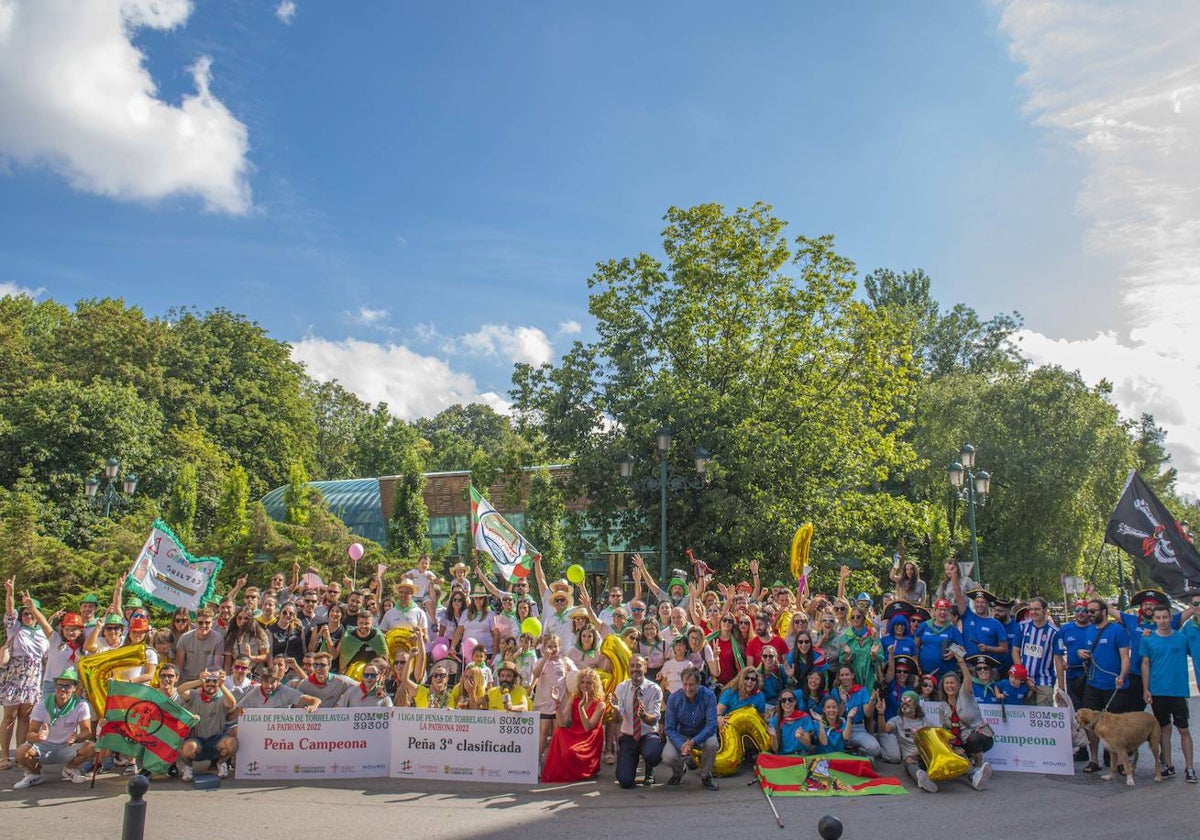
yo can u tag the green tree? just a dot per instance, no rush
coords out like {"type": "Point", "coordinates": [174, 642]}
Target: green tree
{"type": "Point", "coordinates": [297, 498]}
{"type": "Point", "coordinates": [757, 349]}
{"type": "Point", "coordinates": [232, 532]}
{"type": "Point", "coordinates": [1151, 458]}
{"type": "Point", "coordinates": [181, 507]}
{"type": "Point", "coordinates": [544, 512]}
{"type": "Point", "coordinates": [408, 526]}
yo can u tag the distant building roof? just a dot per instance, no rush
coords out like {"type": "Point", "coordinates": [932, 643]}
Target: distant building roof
{"type": "Point", "coordinates": [355, 501]}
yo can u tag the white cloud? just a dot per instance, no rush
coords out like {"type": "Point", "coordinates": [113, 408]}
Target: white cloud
{"type": "Point", "coordinates": [569, 328]}
{"type": "Point", "coordinates": [76, 97]}
{"type": "Point", "coordinates": [516, 344]}
{"type": "Point", "coordinates": [12, 289]}
{"type": "Point", "coordinates": [1122, 83]}
{"type": "Point", "coordinates": [286, 11]}
{"type": "Point", "coordinates": [371, 317]}
{"type": "Point", "coordinates": [411, 384]}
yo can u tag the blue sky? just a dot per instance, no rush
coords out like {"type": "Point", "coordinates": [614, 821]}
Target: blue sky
{"type": "Point", "coordinates": [414, 194]}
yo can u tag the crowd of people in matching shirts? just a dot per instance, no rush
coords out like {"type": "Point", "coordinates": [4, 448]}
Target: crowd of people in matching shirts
{"type": "Point", "coordinates": [825, 673]}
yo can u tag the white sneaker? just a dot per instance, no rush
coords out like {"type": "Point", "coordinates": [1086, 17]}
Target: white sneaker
{"type": "Point", "coordinates": [74, 774]}
{"type": "Point", "coordinates": [187, 774]}
{"type": "Point", "coordinates": [131, 769]}
{"type": "Point", "coordinates": [979, 777]}
{"type": "Point", "coordinates": [222, 769]}
{"type": "Point", "coordinates": [926, 783]}
{"type": "Point", "coordinates": [29, 781]}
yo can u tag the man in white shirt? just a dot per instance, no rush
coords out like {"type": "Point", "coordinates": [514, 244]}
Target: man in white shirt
{"type": "Point", "coordinates": [60, 732]}
{"type": "Point", "coordinates": [406, 613]}
{"type": "Point", "coordinates": [614, 603]}
{"type": "Point", "coordinates": [637, 706]}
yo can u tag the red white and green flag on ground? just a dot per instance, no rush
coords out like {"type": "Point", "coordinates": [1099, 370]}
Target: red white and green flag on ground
{"type": "Point", "coordinates": [832, 774]}
{"type": "Point", "coordinates": [142, 722]}
{"type": "Point", "coordinates": [512, 555]}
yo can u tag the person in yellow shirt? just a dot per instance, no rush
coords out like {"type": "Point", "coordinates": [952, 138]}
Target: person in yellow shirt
{"type": "Point", "coordinates": [508, 695]}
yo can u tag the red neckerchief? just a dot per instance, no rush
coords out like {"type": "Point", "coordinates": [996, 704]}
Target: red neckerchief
{"type": "Point", "coordinates": [795, 715]}
{"type": "Point", "coordinates": [312, 679]}
{"type": "Point", "coordinates": [362, 686]}
{"type": "Point", "coordinates": [208, 699]}
{"type": "Point", "coordinates": [74, 646]}
{"type": "Point", "coordinates": [222, 624]}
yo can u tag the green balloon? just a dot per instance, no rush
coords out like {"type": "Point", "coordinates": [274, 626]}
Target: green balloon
{"type": "Point", "coordinates": [532, 626]}
{"type": "Point", "coordinates": [575, 574]}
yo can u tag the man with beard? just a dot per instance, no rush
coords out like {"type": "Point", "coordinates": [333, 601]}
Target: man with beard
{"type": "Point", "coordinates": [197, 649]}
{"type": "Point", "coordinates": [370, 692]}
{"type": "Point", "coordinates": [326, 687]}
{"type": "Point", "coordinates": [981, 633]}
{"type": "Point", "coordinates": [1108, 666]}
{"type": "Point", "coordinates": [637, 705]}
{"type": "Point", "coordinates": [764, 637]}
{"type": "Point", "coordinates": [1140, 624]}
{"type": "Point", "coordinates": [508, 695]}
{"type": "Point", "coordinates": [209, 699]}
{"type": "Point", "coordinates": [363, 644]}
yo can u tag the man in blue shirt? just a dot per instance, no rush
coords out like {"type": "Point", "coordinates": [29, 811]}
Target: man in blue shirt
{"type": "Point", "coordinates": [1108, 666]}
{"type": "Point", "coordinates": [981, 632]}
{"type": "Point", "coordinates": [1035, 650]}
{"type": "Point", "coordinates": [691, 722]}
{"type": "Point", "coordinates": [1165, 676]}
{"type": "Point", "coordinates": [1141, 624]}
{"type": "Point", "coordinates": [934, 638]}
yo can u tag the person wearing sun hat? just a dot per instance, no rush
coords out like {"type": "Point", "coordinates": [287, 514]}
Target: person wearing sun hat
{"type": "Point", "coordinates": [88, 605]}
{"type": "Point", "coordinates": [557, 601]}
{"type": "Point", "coordinates": [60, 732]}
{"type": "Point", "coordinates": [508, 695]}
{"type": "Point", "coordinates": [406, 612]}
{"type": "Point", "coordinates": [1140, 623]}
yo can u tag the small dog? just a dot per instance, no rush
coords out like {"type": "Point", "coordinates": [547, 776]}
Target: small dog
{"type": "Point", "coordinates": [1122, 735]}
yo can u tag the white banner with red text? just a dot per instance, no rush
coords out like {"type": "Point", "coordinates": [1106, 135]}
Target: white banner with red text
{"type": "Point", "coordinates": [484, 746]}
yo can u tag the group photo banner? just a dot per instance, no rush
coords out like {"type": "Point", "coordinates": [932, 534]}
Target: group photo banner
{"type": "Point", "coordinates": [483, 746]}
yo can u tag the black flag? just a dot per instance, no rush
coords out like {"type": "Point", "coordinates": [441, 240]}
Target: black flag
{"type": "Point", "coordinates": [1150, 534]}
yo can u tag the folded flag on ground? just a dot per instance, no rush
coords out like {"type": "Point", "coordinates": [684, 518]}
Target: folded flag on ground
{"type": "Point", "coordinates": [832, 774]}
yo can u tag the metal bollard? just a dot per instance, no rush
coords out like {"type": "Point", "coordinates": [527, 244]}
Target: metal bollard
{"type": "Point", "coordinates": [135, 809]}
{"type": "Point", "coordinates": [829, 827]}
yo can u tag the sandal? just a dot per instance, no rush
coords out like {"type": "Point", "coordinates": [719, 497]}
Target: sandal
{"type": "Point", "coordinates": [1092, 767]}
{"type": "Point", "coordinates": [609, 758]}
{"type": "Point", "coordinates": [6, 764]}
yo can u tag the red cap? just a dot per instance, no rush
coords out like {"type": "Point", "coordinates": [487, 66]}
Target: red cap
{"type": "Point", "coordinates": [139, 625]}
{"type": "Point", "coordinates": [72, 620]}
{"type": "Point", "coordinates": [1019, 671]}
{"type": "Point", "coordinates": [942, 603]}
{"type": "Point", "coordinates": [744, 586]}
{"type": "Point", "coordinates": [1082, 602]}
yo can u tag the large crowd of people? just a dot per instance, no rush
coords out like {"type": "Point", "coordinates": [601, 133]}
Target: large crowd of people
{"type": "Point", "coordinates": [824, 673]}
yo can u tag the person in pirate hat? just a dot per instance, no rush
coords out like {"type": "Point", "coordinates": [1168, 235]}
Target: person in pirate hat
{"type": "Point", "coordinates": [1140, 623]}
{"type": "Point", "coordinates": [983, 677]}
{"type": "Point", "coordinates": [981, 632]}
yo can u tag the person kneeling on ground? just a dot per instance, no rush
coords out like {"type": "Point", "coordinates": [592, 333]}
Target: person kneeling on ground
{"type": "Point", "coordinates": [207, 741]}
{"type": "Point", "coordinates": [60, 732]}
{"type": "Point", "coordinates": [904, 725]}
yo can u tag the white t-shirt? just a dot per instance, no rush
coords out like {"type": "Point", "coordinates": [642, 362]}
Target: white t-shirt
{"type": "Point", "coordinates": [480, 629]}
{"type": "Point", "coordinates": [421, 580]}
{"type": "Point", "coordinates": [412, 616]}
{"type": "Point", "coordinates": [65, 726]}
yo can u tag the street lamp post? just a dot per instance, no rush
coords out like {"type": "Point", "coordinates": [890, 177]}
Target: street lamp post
{"type": "Point", "coordinates": [972, 487]}
{"type": "Point", "coordinates": [666, 480]}
{"type": "Point", "coordinates": [110, 495]}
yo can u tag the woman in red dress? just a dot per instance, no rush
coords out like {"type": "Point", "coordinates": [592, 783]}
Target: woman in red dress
{"type": "Point", "coordinates": [575, 747]}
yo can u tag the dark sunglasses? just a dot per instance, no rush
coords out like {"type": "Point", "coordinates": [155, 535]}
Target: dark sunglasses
{"type": "Point", "coordinates": [783, 700]}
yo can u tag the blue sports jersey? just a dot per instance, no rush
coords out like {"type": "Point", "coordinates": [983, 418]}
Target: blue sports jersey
{"type": "Point", "coordinates": [789, 742]}
{"type": "Point", "coordinates": [1106, 657]}
{"type": "Point", "coordinates": [1035, 650]}
{"type": "Point", "coordinates": [1070, 640]}
{"type": "Point", "coordinates": [933, 642]}
{"type": "Point", "coordinates": [978, 630]}
{"type": "Point", "coordinates": [1168, 657]}
{"type": "Point", "coordinates": [1011, 628]}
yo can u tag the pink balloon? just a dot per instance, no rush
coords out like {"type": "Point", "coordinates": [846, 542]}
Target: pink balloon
{"type": "Point", "coordinates": [440, 650]}
{"type": "Point", "coordinates": [468, 647]}
{"type": "Point", "coordinates": [355, 551]}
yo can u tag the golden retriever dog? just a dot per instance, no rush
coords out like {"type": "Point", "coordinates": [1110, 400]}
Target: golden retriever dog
{"type": "Point", "coordinates": [1122, 734]}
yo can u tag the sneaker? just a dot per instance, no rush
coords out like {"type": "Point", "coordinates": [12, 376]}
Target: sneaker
{"type": "Point", "coordinates": [131, 769]}
{"type": "Point", "coordinates": [187, 774]}
{"type": "Point", "coordinates": [709, 783]}
{"type": "Point", "coordinates": [648, 779]}
{"type": "Point", "coordinates": [979, 777]}
{"type": "Point", "coordinates": [1189, 775]}
{"type": "Point", "coordinates": [120, 761]}
{"type": "Point", "coordinates": [29, 781]}
{"type": "Point", "coordinates": [676, 778]}
{"type": "Point", "coordinates": [222, 769]}
{"type": "Point", "coordinates": [926, 783]}
{"type": "Point", "coordinates": [75, 775]}
{"type": "Point", "coordinates": [1091, 767]}
{"type": "Point", "coordinates": [1168, 772]}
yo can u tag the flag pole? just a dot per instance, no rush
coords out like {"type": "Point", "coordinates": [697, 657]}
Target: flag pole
{"type": "Point", "coordinates": [1096, 563]}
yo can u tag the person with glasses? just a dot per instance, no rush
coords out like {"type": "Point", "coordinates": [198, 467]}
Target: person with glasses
{"type": "Point", "coordinates": [508, 695]}
{"type": "Point", "coordinates": [106, 636]}
{"type": "Point", "coordinates": [208, 699]}
{"type": "Point", "coordinates": [308, 602]}
{"type": "Point", "coordinates": [793, 730]}
{"type": "Point", "coordinates": [729, 650]}
{"type": "Point", "coordinates": [805, 658]}
{"type": "Point", "coordinates": [246, 637]}
{"type": "Point", "coordinates": [936, 639]}
{"type": "Point", "coordinates": [270, 693]}
{"type": "Point", "coordinates": [323, 684]}
{"type": "Point", "coordinates": [970, 735]}
{"type": "Point", "coordinates": [827, 637]}
{"type": "Point", "coordinates": [901, 676]}
{"type": "Point", "coordinates": [286, 634]}
{"type": "Point", "coordinates": [1069, 667]}
{"type": "Point", "coordinates": [181, 622]}
{"type": "Point", "coordinates": [745, 690]}
{"type": "Point", "coordinates": [508, 625]}
{"type": "Point", "coordinates": [764, 637]}
{"type": "Point", "coordinates": [1140, 624]}
{"type": "Point", "coordinates": [438, 694]}
{"type": "Point", "coordinates": [774, 678]}
{"type": "Point", "coordinates": [60, 732]}
{"type": "Point", "coordinates": [240, 680]}
{"type": "Point", "coordinates": [370, 691]}
{"type": "Point", "coordinates": [406, 691]}
{"type": "Point", "coordinates": [199, 649]}
{"type": "Point", "coordinates": [1108, 663]}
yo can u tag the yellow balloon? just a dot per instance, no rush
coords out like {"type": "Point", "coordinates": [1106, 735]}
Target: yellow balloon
{"type": "Point", "coordinates": [400, 637]}
{"type": "Point", "coordinates": [617, 652]}
{"type": "Point", "coordinates": [743, 727]}
{"type": "Point", "coordinates": [801, 545]}
{"type": "Point", "coordinates": [96, 669]}
{"type": "Point", "coordinates": [783, 624]}
{"type": "Point", "coordinates": [942, 763]}
{"type": "Point", "coordinates": [355, 670]}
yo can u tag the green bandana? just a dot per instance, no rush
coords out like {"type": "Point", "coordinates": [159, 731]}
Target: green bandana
{"type": "Point", "coordinates": [55, 712]}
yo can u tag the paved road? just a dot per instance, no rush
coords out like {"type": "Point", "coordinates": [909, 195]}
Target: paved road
{"type": "Point", "coordinates": [1023, 805]}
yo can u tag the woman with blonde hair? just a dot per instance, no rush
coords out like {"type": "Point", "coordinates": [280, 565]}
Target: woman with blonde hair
{"type": "Point", "coordinates": [575, 747]}
{"type": "Point", "coordinates": [743, 690]}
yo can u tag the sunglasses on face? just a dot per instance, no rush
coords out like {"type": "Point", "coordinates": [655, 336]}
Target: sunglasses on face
{"type": "Point", "coordinates": [63, 686]}
{"type": "Point", "coordinates": [727, 621]}
{"type": "Point", "coordinates": [804, 641]}
{"type": "Point", "coordinates": [839, 609]}
{"type": "Point", "coordinates": [241, 667]}
{"type": "Point", "coordinates": [438, 675]}
{"type": "Point", "coordinates": [370, 675]}
{"type": "Point", "coordinates": [751, 680]}
{"type": "Point", "coordinates": [783, 700]}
